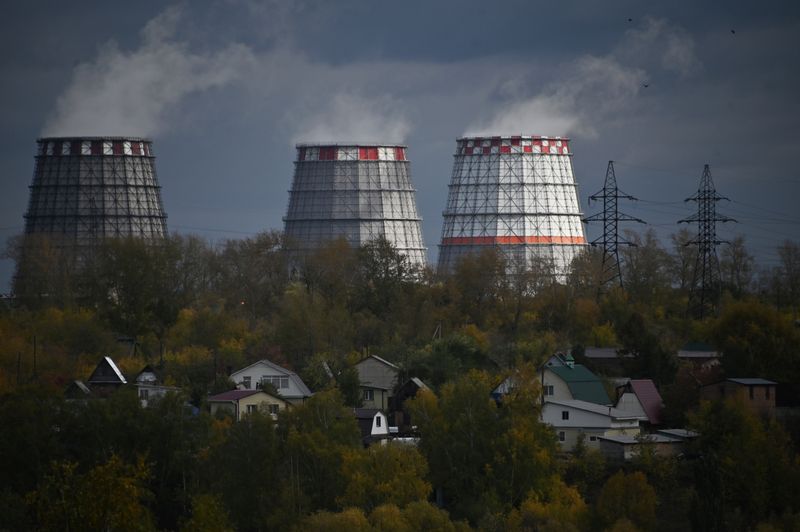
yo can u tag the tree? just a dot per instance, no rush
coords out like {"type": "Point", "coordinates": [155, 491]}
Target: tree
{"type": "Point", "coordinates": [244, 470]}
{"type": "Point", "coordinates": [562, 508]}
{"type": "Point", "coordinates": [646, 352]}
{"type": "Point", "coordinates": [736, 267]}
{"type": "Point", "coordinates": [646, 276]}
{"type": "Point", "coordinates": [383, 474]}
{"type": "Point", "coordinates": [110, 496]}
{"type": "Point", "coordinates": [745, 471]}
{"type": "Point", "coordinates": [208, 515]}
{"type": "Point", "coordinates": [757, 341]}
{"type": "Point", "coordinates": [252, 273]}
{"type": "Point", "coordinates": [789, 274]}
{"type": "Point", "coordinates": [351, 519]}
{"type": "Point", "coordinates": [315, 436]}
{"type": "Point", "coordinates": [484, 457]}
{"type": "Point", "coordinates": [630, 497]}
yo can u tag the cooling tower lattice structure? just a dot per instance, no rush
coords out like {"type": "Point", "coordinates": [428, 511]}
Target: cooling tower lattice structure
{"type": "Point", "coordinates": [90, 188]}
{"type": "Point", "coordinates": [514, 193]}
{"type": "Point", "coordinates": [357, 191]}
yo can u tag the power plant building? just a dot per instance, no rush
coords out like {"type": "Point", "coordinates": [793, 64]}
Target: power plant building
{"type": "Point", "coordinates": [89, 188]}
{"type": "Point", "coordinates": [357, 191]}
{"type": "Point", "coordinates": [517, 194]}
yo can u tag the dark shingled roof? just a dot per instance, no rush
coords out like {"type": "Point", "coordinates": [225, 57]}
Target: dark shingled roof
{"type": "Point", "coordinates": [233, 395]}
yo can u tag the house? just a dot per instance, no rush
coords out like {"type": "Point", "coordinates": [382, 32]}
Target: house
{"type": "Point", "coordinates": [572, 417]}
{"type": "Point", "coordinates": [373, 424]}
{"type": "Point", "coordinates": [378, 379]}
{"type": "Point", "coordinates": [239, 403]}
{"type": "Point", "coordinates": [664, 442]}
{"type": "Point", "coordinates": [406, 391]}
{"type": "Point", "coordinates": [149, 387]}
{"type": "Point", "coordinates": [106, 378]}
{"type": "Point", "coordinates": [287, 383]}
{"type": "Point", "coordinates": [564, 380]}
{"type": "Point", "coordinates": [699, 355]}
{"type": "Point", "coordinates": [623, 448]}
{"type": "Point", "coordinates": [607, 360]}
{"type": "Point", "coordinates": [757, 394]}
{"type": "Point", "coordinates": [640, 397]}
{"type": "Point", "coordinates": [77, 391]}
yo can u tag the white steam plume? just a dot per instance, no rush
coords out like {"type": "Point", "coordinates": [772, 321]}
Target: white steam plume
{"type": "Point", "coordinates": [592, 88]}
{"type": "Point", "coordinates": [353, 117]}
{"type": "Point", "coordinates": [131, 93]}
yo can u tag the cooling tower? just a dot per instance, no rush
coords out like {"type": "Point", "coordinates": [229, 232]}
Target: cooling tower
{"type": "Point", "coordinates": [517, 194]}
{"type": "Point", "coordinates": [85, 189]}
{"type": "Point", "coordinates": [357, 191]}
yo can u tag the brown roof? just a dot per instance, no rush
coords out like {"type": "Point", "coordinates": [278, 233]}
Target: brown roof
{"type": "Point", "coordinates": [233, 395]}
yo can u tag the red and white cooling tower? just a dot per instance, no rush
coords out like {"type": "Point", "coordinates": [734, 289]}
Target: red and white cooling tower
{"type": "Point", "coordinates": [515, 193]}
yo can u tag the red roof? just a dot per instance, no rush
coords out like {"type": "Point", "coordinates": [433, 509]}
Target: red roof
{"type": "Point", "coordinates": [648, 395]}
{"type": "Point", "coordinates": [233, 395]}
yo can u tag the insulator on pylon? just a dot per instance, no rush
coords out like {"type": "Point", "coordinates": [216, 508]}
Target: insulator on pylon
{"type": "Point", "coordinates": [357, 191]}
{"type": "Point", "coordinates": [517, 194]}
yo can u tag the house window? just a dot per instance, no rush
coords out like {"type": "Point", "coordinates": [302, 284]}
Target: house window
{"type": "Point", "coordinates": [276, 380]}
{"type": "Point", "coordinates": [144, 395]}
{"type": "Point", "coordinates": [377, 421]}
{"type": "Point", "coordinates": [562, 436]}
{"type": "Point", "coordinates": [592, 438]}
{"type": "Point", "coordinates": [565, 414]}
{"type": "Point", "coordinates": [246, 382]}
{"type": "Point", "coordinates": [751, 392]}
{"type": "Point", "coordinates": [369, 395]}
{"type": "Point", "coordinates": [548, 390]}
{"type": "Point", "coordinates": [251, 408]}
{"type": "Point", "coordinates": [273, 409]}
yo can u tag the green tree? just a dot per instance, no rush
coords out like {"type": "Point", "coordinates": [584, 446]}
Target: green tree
{"type": "Point", "coordinates": [383, 474]}
{"type": "Point", "coordinates": [244, 470]}
{"type": "Point", "coordinates": [314, 437]}
{"type": "Point", "coordinates": [562, 508]}
{"type": "Point", "coordinates": [208, 515]}
{"type": "Point", "coordinates": [111, 496]}
{"type": "Point", "coordinates": [484, 457]}
{"type": "Point", "coordinates": [757, 341]}
{"type": "Point", "coordinates": [629, 497]}
{"type": "Point", "coordinates": [745, 471]}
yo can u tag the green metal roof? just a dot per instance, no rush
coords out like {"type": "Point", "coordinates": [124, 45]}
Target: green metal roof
{"type": "Point", "coordinates": [583, 384]}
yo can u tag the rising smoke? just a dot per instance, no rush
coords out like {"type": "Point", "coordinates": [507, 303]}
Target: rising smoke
{"type": "Point", "coordinates": [592, 88]}
{"type": "Point", "coordinates": [132, 93]}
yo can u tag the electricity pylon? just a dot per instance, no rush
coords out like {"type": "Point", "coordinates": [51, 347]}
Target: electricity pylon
{"type": "Point", "coordinates": [705, 281]}
{"type": "Point", "coordinates": [611, 240]}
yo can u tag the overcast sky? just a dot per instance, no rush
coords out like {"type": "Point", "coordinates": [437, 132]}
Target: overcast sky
{"type": "Point", "coordinates": [226, 88]}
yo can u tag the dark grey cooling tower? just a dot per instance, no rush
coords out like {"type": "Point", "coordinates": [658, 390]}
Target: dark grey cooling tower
{"type": "Point", "coordinates": [357, 191]}
{"type": "Point", "coordinates": [89, 188]}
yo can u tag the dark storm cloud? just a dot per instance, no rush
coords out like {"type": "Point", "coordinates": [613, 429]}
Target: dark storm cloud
{"type": "Point", "coordinates": [227, 87]}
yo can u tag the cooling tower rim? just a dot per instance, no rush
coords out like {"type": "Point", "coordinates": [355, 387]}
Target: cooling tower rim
{"type": "Point", "coordinates": [91, 138]}
{"type": "Point", "coordinates": [350, 145]}
{"type": "Point", "coordinates": [510, 137]}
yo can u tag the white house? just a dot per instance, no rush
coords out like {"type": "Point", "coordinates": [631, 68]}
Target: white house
{"type": "Point", "coordinates": [373, 424]}
{"type": "Point", "coordinates": [149, 387]}
{"type": "Point", "coordinates": [564, 380]}
{"type": "Point", "coordinates": [287, 383]}
{"type": "Point", "coordinates": [571, 418]}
